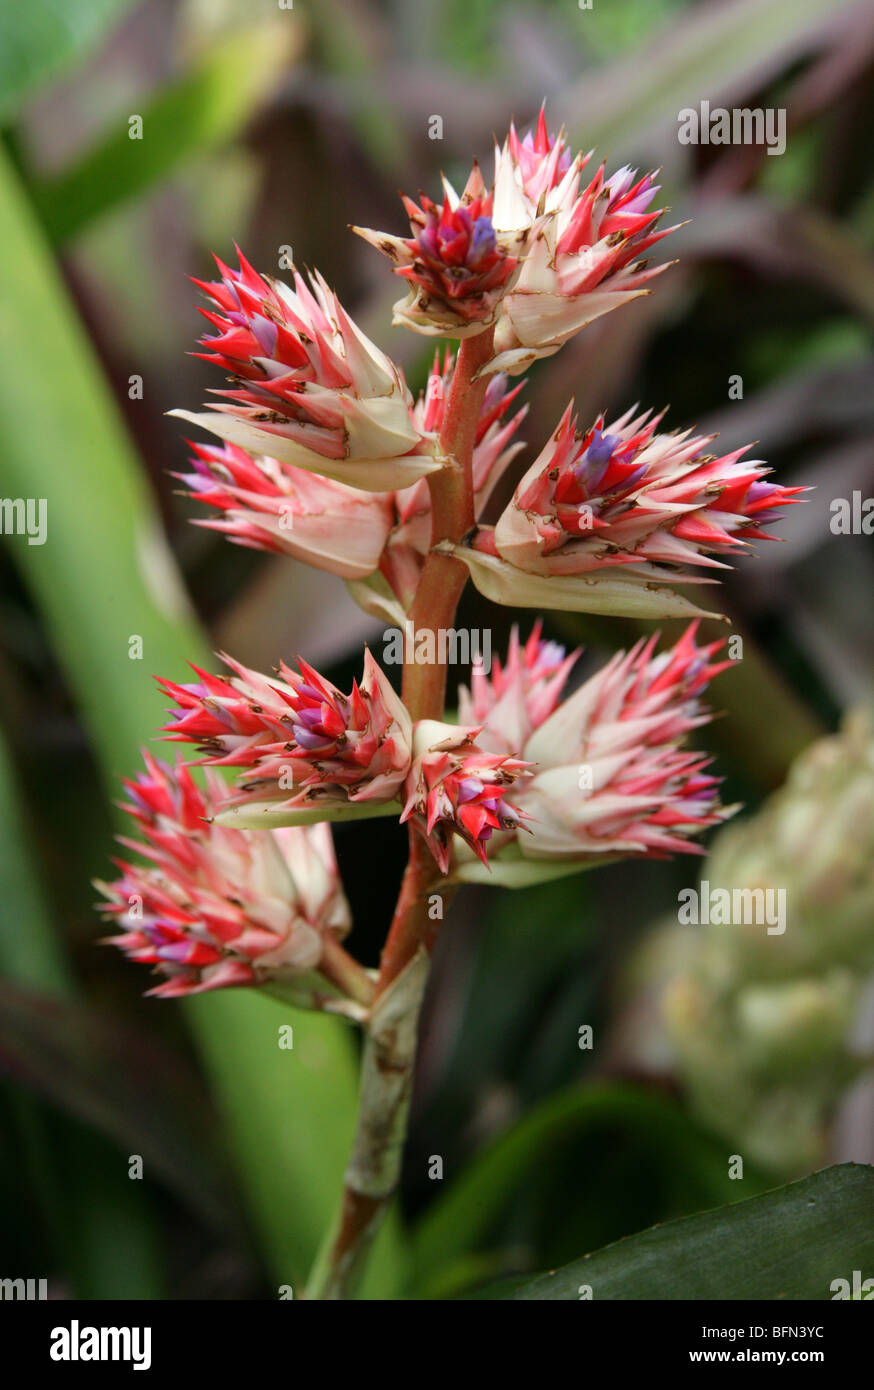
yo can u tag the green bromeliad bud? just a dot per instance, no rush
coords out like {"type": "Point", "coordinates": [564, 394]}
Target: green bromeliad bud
{"type": "Point", "coordinates": [815, 839]}
{"type": "Point", "coordinates": [762, 1023]}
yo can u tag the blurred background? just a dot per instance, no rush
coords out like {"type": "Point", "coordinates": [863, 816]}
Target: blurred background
{"type": "Point", "coordinates": [276, 127]}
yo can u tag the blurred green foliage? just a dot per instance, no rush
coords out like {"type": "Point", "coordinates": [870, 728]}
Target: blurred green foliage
{"type": "Point", "coordinates": [41, 40]}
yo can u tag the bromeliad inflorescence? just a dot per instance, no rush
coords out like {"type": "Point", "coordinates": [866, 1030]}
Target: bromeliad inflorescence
{"type": "Point", "coordinates": [326, 457]}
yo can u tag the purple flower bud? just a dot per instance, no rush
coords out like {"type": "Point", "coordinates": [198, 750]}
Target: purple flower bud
{"type": "Point", "coordinates": [482, 241]}
{"type": "Point", "coordinates": [309, 740]}
{"type": "Point", "coordinates": [310, 718]}
{"type": "Point", "coordinates": [600, 451]}
{"type": "Point", "coordinates": [178, 951]}
{"type": "Point", "coordinates": [266, 332]}
{"type": "Point", "coordinates": [757, 490]}
{"type": "Point", "coordinates": [469, 788]}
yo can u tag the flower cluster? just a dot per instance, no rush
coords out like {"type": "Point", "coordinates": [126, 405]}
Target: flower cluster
{"type": "Point", "coordinates": [597, 774]}
{"type": "Point", "coordinates": [309, 752]}
{"type": "Point", "coordinates": [310, 388]}
{"type": "Point", "coordinates": [583, 259]}
{"type": "Point", "coordinates": [268, 505]}
{"type": "Point", "coordinates": [608, 776]}
{"type": "Point", "coordinates": [303, 744]}
{"type": "Point", "coordinates": [213, 906]}
{"type": "Point", "coordinates": [537, 254]}
{"type": "Point", "coordinates": [518, 694]}
{"type": "Point", "coordinates": [456, 788]}
{"type": "Point", "coordinates": [458, 266]}
{"type": "Point", "coordinates": [626, 501]}
{"type": "Point", "coordinates": [326, 457]}
{"type": "Point", "coordinates": [611, 778]}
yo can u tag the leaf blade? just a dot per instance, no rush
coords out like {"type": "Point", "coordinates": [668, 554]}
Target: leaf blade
{"type": "Point", "coordinates": [790, 1243]}
{"type": "Point", "coordinates": [204, 108]}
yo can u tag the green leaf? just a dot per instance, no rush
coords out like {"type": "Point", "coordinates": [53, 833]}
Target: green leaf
{"type": "Point", "coordinates": [206, 107]}
{"type": "Point", "coordinates": [103, 575]}
{"type": "Point", "coordinates": [790, 1243]}
{"type": "Point", "coordinates": [459, 1221]}
{"type": "Point", "coordinates": [29, 954]}
{"type": "Point", "coordinates": [298, 1116]}
{"type": "Point", "coordinates": [266, 815]}
{"type": "Point", "coordinates": [120, 1083]}
{"type": "Point", "coordinates": [39, 38]}
{"type": "Point", "coordinates": [94, 1215]}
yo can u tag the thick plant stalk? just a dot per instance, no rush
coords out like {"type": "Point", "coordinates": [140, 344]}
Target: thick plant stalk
{"type": "Point", "coordinates": [374, 1168]}
{"type": "Point", "coordinates": [452, 516]}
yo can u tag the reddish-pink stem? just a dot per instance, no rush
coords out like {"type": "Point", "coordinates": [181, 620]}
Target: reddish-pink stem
{"type": "Point", "coordinates": [424, 693]}
{"type": "Point", "coordinates": [452, 516]}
